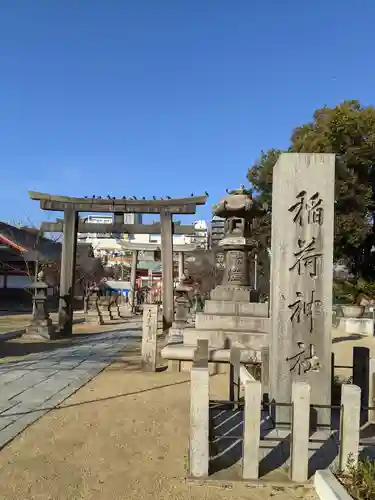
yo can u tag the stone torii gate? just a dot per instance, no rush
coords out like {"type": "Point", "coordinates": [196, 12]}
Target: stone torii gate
{"type": "Point", "coordinates": [72, 206]}
{"type": "Point", "coordinates": [135, 248]}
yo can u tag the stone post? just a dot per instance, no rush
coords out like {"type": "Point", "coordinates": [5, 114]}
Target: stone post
{"type": "Point", "coordinates": [350, 424]}
{"type": "Point", "coordinates": [67, 272]}
{"type": "Point", "coordinates": [301, 280]}
{"type": "Point", "coordinates": [199, 420]}
{"type": "Point", "coordinates": [234, 375]}
{"type": "Point", "coordinates": [251, 435]}
{"type": "Point", "coordinates": [265, 373]}
{"type": "Point", "coordinates": [167, 261]}
{"type": "Point", "coordinates": [133, 280]}
{"type": "Point", "coordinates": [361, 376]}
{"type": "Point", "coordinates": [300, 432]}
{"type": "Point", "coordinates": [149, 337]}
{"type": "Point", "coordinates": [371, 398]}
{"type": "Point", "coordinates": [181, 266]}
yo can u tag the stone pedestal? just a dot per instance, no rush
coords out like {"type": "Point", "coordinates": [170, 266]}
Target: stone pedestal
{"type": "Point", "coordinates": [230, 319]}
{"type": "Point", "coordinates": [41, 324]}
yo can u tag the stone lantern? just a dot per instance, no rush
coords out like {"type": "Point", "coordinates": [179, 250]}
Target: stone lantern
{"type": "Point", "coordinates": [41, 323]}
{"type": "Point", "coordinates": [238, 209]}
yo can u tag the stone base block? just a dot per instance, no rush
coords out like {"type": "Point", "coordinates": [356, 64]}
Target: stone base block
{"type": "Point", "coordinates": [176, 334]}
{"type": "Point", "coordinates": [45, 332]}
{"type": "Point", "coordinates": [224, 339]}
{"type": "Point", "coordinates": [254, 309]}
{"type": "Point", "coordinates": [234, 294]}
{"type": "Point", "coordinates": [361, 326]}
{"type": "Point", "coordinates": [241, 323]}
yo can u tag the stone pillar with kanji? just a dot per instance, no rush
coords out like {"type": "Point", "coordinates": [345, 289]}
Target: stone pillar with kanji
{"type": "Point", "coordinates": [301, 281]}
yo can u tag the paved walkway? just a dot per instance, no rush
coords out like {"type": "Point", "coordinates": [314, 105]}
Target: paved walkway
{"type": "Point", "coordinates": [31, 387]}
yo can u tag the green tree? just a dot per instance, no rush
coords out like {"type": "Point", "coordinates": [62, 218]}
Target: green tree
{"type": "Point", "coordinates": [348, 130]}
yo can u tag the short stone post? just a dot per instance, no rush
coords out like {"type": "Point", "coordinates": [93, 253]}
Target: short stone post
{"type": "Point", "coordinates": [149, 337]}
{"type": "Point", "coordinates": [350, 424]}
{"type": "Point", "coordinates": [300, 431]}
{"type": "Point", "coordinates": [199, 417]}
{"type": "Point", "coordinates": [361, 372]}
{"type": "Point", "coordinates": [234, 374]}
{"type": "Point", "coordinates": [201, 352]}
{"type": "Point", "coordinates": [251, 435]}
{"type": "Point", "coordinates": [265, 372]}
{"type": "Point", "coordinates": [371, 392]}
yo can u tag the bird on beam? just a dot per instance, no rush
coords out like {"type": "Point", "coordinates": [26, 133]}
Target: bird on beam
{"type": "Point", "coordinates": [206, 193]}
{"type": "Point", "coordinates": [154, 197]}
{"type": "Point", "coordinates": [109, 197]}
{"type": "Point", "coordinates": [143, 197]}
{"type": "Point", "coordinates": [86, 196]}
{"type": "Point", "coordinates": [169, 198]}
{"type": "Point", "coordinates": [134, 197]}
{"type": "Point", "coordinates": [93, 196]}
{"type": "Point", "coordinates": [124, 197]}
{"type": "Point", "coordinates": [192, 194]}
{"type": "Point", "coordinates": [99, 197]}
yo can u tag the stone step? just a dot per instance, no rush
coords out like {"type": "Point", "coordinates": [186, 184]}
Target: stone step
{"type": "Point", "coordinates": [224, 339]}
{"type": "Point", "coordinates": [231, 322]}
{"type": "Point", "coordinates": [256, 309]}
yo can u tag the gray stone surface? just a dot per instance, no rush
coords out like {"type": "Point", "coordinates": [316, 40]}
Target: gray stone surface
{"type": "Point", "coordinates": [35, 385]}
{"type": "Point", "coordinates": [254, 309]}
{"type": "Point", "coordinates": [251, 436]}
{"type": "Point", "coordinates": [229, 322]}
{"type": "Point", "coordinates": [301, 278]}
{"type": "Point", "coordinates": [224, 339]}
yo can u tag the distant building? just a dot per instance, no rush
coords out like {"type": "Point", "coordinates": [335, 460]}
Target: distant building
{"type": "Point", "coordinates": [217, 231]}
{"type": "Point", "coordinates": [200, 235]}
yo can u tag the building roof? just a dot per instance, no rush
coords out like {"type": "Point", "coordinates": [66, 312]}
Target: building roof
{"type": "Point", "coordinates": [29, 242]}
{"type": "Point", "coordinates": [33, 246]}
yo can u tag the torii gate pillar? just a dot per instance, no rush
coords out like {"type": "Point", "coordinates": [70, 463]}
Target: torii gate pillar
{"type": "Point", "coordinates": [67, 272]}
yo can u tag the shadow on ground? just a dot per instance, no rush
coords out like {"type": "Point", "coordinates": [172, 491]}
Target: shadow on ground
{"type": "Point", "coordinates": [226, 444]}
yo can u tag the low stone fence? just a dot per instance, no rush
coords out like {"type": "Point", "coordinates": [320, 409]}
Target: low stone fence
{"type": "Point", "coordinates": [105, 309]}
{"type": "Point", "coordinates": [298, 440]}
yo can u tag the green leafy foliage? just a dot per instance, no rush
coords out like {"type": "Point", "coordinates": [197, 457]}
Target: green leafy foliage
{"type": "Point", "coordinates": [348, 130]}
{"type": "Point", "coordinates": [359, 479]}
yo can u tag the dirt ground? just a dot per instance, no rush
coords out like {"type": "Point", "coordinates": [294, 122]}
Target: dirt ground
{"type": "Point", "coordinates": [9, 322]}
{"type": "Point", "coordinates": [122, 436]}
{"type": "Point", "coordinates": [125, 436]}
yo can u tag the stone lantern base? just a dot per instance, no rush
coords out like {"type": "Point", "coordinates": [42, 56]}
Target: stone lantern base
{"type": "Point", "coordinates": [42, 328]}
{"type": "Point", "coordinates": [41, 324]}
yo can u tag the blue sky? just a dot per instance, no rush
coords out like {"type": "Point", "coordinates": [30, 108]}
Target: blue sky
{"type": "Point", "coordinates": [165, 97]}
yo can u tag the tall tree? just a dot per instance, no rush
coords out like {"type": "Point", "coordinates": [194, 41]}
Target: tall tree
{"type": "Point", "coordinates": [348, 130]}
